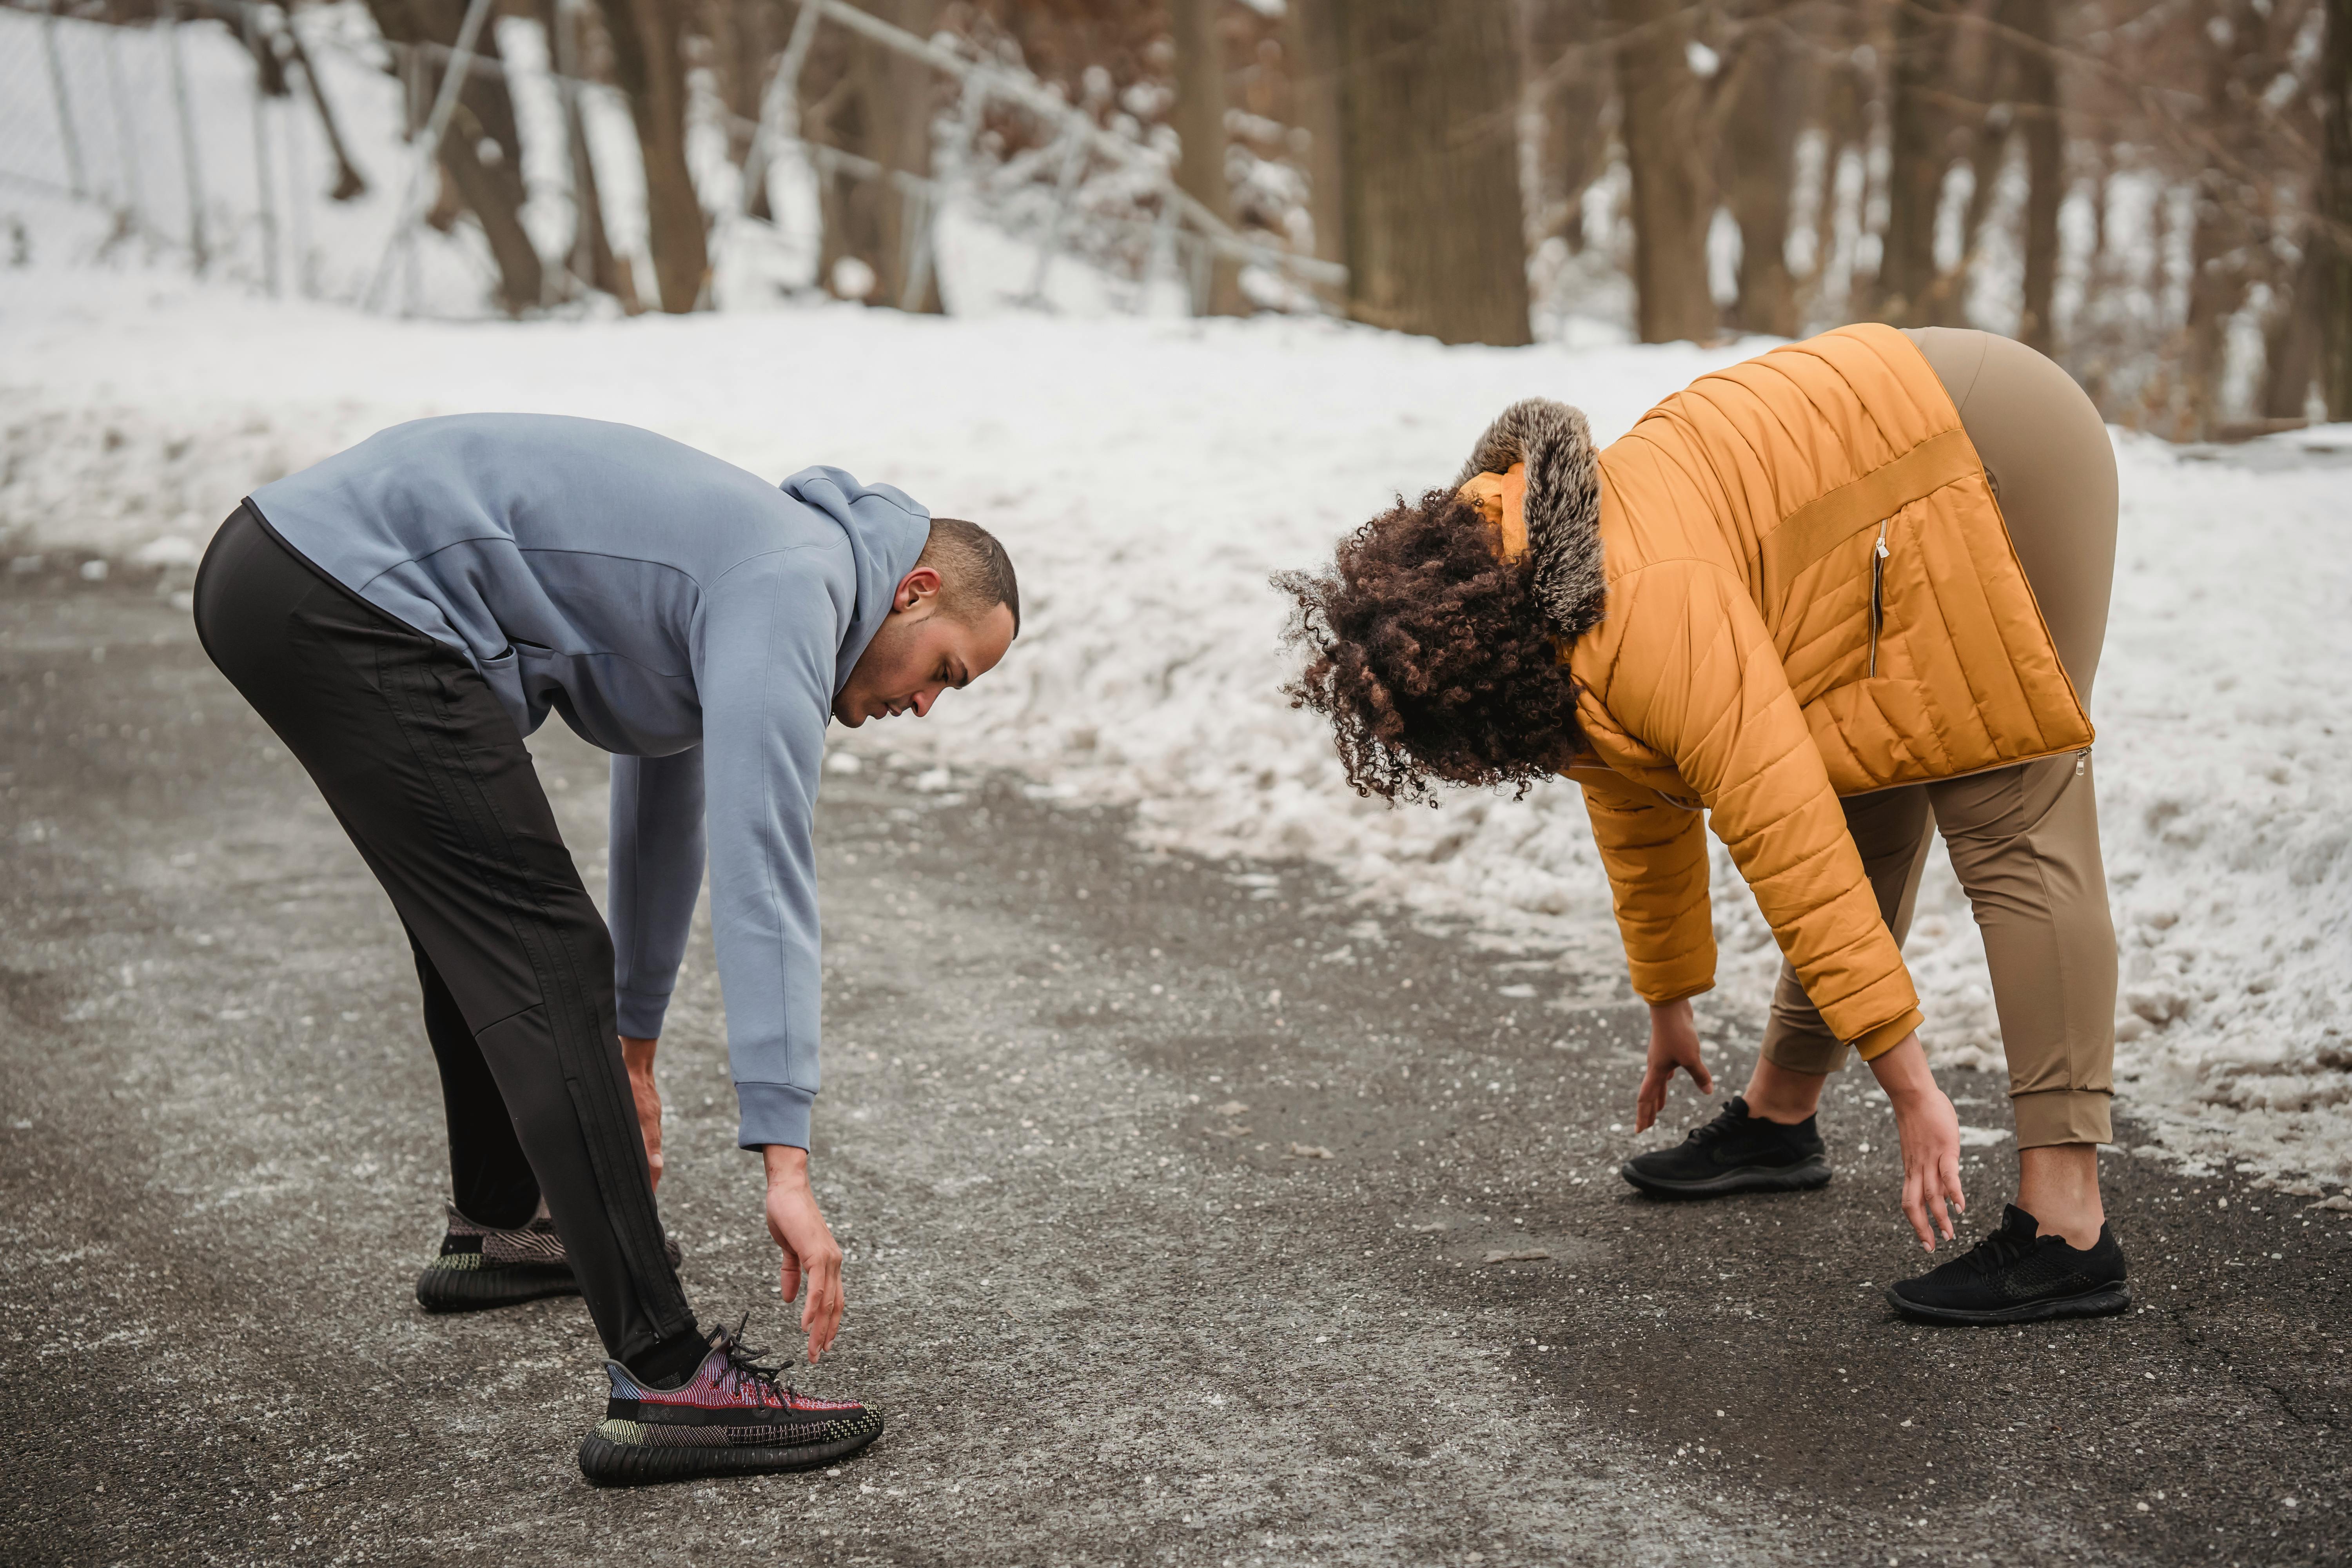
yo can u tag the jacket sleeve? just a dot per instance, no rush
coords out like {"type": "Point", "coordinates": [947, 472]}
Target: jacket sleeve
{"type": "Point", "coordinates": [1694, 675]}
{"type": "Point", "coordinates": [772, 629]}
{"type": "Point", "coordinates": [657, 870]}
{"type": "Point", "coordinates": [1656, 858]}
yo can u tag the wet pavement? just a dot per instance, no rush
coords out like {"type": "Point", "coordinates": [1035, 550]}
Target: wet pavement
{"type": "Point", "coordinates": [1194, 1214]}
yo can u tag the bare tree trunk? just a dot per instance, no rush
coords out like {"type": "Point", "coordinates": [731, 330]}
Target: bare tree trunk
{"type": "Point", "coordinates": [908, 93]}
{"type": "Point", "coordinates": [1573, 150]}
{"type": "Point", "coordinates": [489, 187]}
{"type": "Point", "coordinates": [2332, 234]}
{"type": "Point", "coordinates": [1759, 156]}
{"type": "Point", "coordinates": [880, 109]}
{"type": "Point", "coordinates": [1841, 127]}
{"type": "Point", "coordinates": [2045, 165]}
{"type": "Point", "coordinates": [1201, 131]}
{"type": "Point", "coordinates": [2217, 278]}
{"type": "Point", "coordinates": [1979, 62]}
{"type": "Point", "coordinates": [1429, 106]}
{"type": "Point", "coordinates": [1672, 202]}
{"type": "Point", "coordinates": [747, 36]}
{"type": "Point", "coordinates": [590, 255]}
{"type": "Point", "coordinates": [2291, 341]}
{"type": "Point", "coordinates": [649, 62]}
{"type": "Point", "coordinates": [348, 181]}
{"type": "Point", "coordinates": [1314, 47]}
{"type": "Point", "coordinates": [2216, 290]}
{"type": "Point", "coordinates": [1914, 176]}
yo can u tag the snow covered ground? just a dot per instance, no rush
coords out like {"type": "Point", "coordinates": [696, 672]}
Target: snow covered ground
{"type": "Point", "coordinates": [1150, 474]}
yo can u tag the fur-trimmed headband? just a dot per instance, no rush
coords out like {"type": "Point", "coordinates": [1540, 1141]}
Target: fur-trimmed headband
{"type": "Point", "coordinates": [1563, 504]}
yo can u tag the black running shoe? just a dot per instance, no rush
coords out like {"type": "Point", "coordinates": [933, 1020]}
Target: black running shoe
{"type": "Point", "coordinates": [479, 1267]}
{"type": "Point", "coordinates": [730, 1418]}
{"type": "Point", "coordinates": [2016, 1276]}
{"type": "Point", "coordinates": [1736, 1153]}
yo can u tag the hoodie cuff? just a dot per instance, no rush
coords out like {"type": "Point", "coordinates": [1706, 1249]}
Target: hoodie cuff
{"type": "Point", "coordinates": [773, 1113]}
{"type": "Point", "coordinates": [639, 1013]}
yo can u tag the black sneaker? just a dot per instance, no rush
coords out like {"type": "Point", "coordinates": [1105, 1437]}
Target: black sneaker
{"type": "Point", "coordinates": [1736, 1153]}
{"type": "Point", "coordinates": [730, 1418]}
{"type": "Point", "coordinates": [2016, 1276]}
{"type": "Point", "coordinates": [479, 1267]}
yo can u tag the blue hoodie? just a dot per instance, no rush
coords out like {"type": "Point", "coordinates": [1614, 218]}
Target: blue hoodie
{"type": "Point", "coordinates": [684, 615]}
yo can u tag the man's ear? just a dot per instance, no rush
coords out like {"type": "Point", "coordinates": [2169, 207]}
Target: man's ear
{"type": "Point", "coordinates": [922, 584]}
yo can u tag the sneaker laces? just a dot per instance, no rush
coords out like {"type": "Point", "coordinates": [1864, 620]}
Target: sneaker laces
{"type": "Point", "coordinates": [2000, 1250]}
{"type": "Point", "coordinates": [1727, 1121]}
{"type": "Point", "coordinates": [746, 1370]}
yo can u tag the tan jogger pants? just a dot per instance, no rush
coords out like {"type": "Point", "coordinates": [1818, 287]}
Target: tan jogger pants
{"type": "Point", "coordinates": [2024, 841]}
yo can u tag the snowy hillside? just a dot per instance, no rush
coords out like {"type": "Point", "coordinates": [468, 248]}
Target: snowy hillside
{"type": "Point", "coordinates": [1149, 475]}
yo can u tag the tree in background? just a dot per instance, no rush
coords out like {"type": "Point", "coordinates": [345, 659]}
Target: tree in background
{"type": "Point", "coordinates": [2035, 50]}
{"type": "Point", "coordinates": [1663, 111]}
{"type": "Point", "coordinates": [877, 105]}
{"type": "Point", "coordinates": [1765, 87]}
{"type": "Point", "coordinates": [577, 46]}
{"type": "Point", "coordinates": [649, 63]}
{"type": "Point", "coordinates": [1569, 116]}
{"type": "Point", "coordinates": [482, 154]}
{"type": "Point", "coordinates": [1917, 156]}
{"type": "Point", "coordinates": [2331, 240]}
{"type": "Point", "coordinates": [2159, 195]}
{"type": "Point", "coordinates": [1199, 122]}
{"type": "Point", "coordinates": [1313, 38]}
{"type": "Point", "coordinates": [1429, 151]}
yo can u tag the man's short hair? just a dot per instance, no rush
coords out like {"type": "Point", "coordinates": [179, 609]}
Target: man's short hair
{"type": "Point", "coordinates": [975, 574]}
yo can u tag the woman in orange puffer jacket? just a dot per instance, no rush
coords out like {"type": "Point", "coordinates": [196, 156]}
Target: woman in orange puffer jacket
{"type": "Point", "coordinates": [1816, 601]}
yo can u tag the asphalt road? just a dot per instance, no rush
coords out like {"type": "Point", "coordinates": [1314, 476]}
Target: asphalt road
{"type": "Point", "coordinates": [1148, 1262]}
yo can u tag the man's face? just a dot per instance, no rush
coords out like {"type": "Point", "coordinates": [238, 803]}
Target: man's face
{"type": "Point", "coordinates": [920, 653]}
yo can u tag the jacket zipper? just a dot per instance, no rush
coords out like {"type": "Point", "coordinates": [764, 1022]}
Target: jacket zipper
{"type": "Point", "coordinates": [1877, 594]}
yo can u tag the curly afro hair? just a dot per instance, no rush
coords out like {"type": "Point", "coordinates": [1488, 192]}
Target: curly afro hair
{"type": "Point", "coordinates": [1430, 656]}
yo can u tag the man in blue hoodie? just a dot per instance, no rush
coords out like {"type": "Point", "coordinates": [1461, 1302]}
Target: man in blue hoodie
{"type": "Point", "coordinates": [402, 615]}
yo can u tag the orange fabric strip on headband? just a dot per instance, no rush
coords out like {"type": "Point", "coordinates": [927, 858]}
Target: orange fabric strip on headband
{"type": "Point", "coordinates": [1501, 500]}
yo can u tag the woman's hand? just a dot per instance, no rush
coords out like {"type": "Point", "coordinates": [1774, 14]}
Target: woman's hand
{"type": "Point", "coordinates": [810, 1252]}
{"type": "Point", "coordinates": [1674, 1043]}
{"type": "Point", "coordinates": [1930, 1130]}
{"type": "Point", "coordinates": [637, 1056]}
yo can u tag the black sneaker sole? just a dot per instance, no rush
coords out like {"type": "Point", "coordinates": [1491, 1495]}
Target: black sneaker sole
{"type": "Point", "coordinates": [476, 1289]}
{"type": "Point", "coordinates": [1801, 1177]}
{"type": "Point", "coordinates": [2102, 1302]}
{"type": "Point", "coordinates": [609, 1464]}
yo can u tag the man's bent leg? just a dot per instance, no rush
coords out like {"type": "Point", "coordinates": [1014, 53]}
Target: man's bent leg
{"type": "Point", "coordinates": [490, 1178]}
{"type": "Point", "coordinates": [427, 772]}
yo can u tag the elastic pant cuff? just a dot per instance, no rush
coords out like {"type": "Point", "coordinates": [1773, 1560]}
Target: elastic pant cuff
{"type": "Point", "coordinates": [2064, 1116]}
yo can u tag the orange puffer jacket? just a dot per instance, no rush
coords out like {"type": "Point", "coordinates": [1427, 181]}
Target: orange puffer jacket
{"type": "Point", "coordinates": [1789, 583]}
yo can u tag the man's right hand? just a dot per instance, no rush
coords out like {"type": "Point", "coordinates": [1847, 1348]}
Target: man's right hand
{"type": "Point", "coordinates": [637, 1056]}
{"type": "Point", "coordinates": [811, 1254]}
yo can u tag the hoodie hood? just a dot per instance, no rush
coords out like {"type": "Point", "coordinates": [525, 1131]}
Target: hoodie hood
{"type": "Point", "coordinates": [887, 531]}
{"type": "Point", "coordinates": [1561, 507]}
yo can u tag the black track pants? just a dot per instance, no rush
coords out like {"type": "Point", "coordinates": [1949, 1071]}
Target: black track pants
{"type": "Point", "coordinates": [426, 773]}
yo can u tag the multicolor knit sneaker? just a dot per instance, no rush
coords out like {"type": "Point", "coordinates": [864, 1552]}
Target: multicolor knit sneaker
{"type": "Point", "coordinates": [479, 1267]}
{"type": "Point", "coordinates": [730, 1418]}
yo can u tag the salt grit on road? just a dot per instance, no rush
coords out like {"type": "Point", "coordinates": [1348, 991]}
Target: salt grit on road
{"type": "Point", "coordinates": [1149, 475]}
